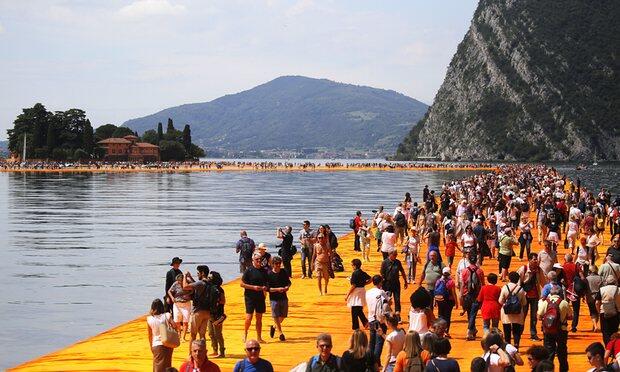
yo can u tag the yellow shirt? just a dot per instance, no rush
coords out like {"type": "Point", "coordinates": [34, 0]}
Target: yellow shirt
{"type": "Point", "coordinates": [564, 309]}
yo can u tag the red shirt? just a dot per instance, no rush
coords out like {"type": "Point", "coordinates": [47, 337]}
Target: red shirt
{"type": "Point", "coordinates": [207, 366]}
{"type": "Point", "coordinates": [570, 270]}
{"type": "Point", "coordinates": [358, 223]}
{"type": "Point", "coordinates": [465, 277]}
{"type": "Point", "coordinates": [489, 297]}
{"type": "Point", "coordinates": [450, 249]}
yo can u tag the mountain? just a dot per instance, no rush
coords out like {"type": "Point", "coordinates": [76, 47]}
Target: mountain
{"type": "Point", "coordinates": [4, 148]}
{"type": "Point", "coordinates": [294, 112]}
{"type": "Point", "coordinates": [531, 80]}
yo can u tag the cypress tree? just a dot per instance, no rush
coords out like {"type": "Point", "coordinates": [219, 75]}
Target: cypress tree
{"type": "Point", "coordinates": [170, 129]}
{"type": "Point", "coordinates": [52, 136]}
{"type": "Point", "coordinates": [187, 139]}
{"type": "Point", "coordinates": [88, 140]}
{"type": "Point", "coordinates": [160, 132]}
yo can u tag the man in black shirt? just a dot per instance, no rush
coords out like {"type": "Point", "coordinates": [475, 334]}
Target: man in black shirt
{"type": "Point", "coordinates": [171, 277]}
{"type": "Point", "coordinates": [390, 268]}
{"type": "Point", "coordinates": [286, 248]}
{"type": "Point", "coordinates": [255, 283]}
{"type": "Point", "coordinates": [614, 249]}
{"type": "Point", "coordinates": [279, 283]}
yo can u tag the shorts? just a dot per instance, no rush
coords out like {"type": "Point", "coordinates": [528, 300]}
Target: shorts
{"type": "Point", "coordinates": [279, 308]}
{"type": "Point", "coordinates": [198, 322]}
{"type": "Point", "coordinates": [504, 261]}
{"type": "Point", "coordinates": [181, 311]}
{"type": "Point", "coordinates": [253, 305]}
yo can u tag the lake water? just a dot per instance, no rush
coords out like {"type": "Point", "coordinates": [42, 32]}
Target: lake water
{"type": "Point", "coordinates": [85, 252]}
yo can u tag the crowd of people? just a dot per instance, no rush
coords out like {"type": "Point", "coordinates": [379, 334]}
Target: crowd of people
{"type": "Point", "coordinates": [224, 164]}
{"type": "Point", "coordinates": [482, 217]}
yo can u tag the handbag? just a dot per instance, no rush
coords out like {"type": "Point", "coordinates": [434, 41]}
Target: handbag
{"type": "Point", "coordinates": [168, 334]}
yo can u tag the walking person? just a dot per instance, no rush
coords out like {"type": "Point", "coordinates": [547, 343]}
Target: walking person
{"type": "Point", "coordinates": [356, 296]}
{"type": "Point", "coordinates": [489, 298]}
{"type": "Point", "coordinates": [388, 241]}
{"type": "Point", "coordinates": [472, 280]}
{"type": "Point", "coordinates": [322, 258]}
{"type": "Point", "coordinates": [181, 304]}
{"type": "Point", "coordinates": [525, 237]}
{"type": "Point", "coordinates": [376, 301]}
{"type": "Point", "coordinates": [506, 252]}
{"type": "Point", "coordinates": [513, 300]}
{"type": "Point", "coordinates": [356, 224]}
{"type": "Point", "coordinates": [395, 341]}
{"type": "Point", "coordinates": [391, 267]}
{"type": "Point", "coordinates": [445, 297]}
{"type": "Point", "coordinates": [432, 271]}
{"type": "Point", "coordinates": [279, 284]}
{"type": "Point", "coordinates": [609, 303]}
{"type": "Point", "coordinates": [201, 290]}
{"type": "Point", "coordinates": [532, 278]}
{"type": "Point", "coordinates": [255, 283]}
{"type": "Point", "coordinates": [554, 313]}
{"type": "Point", "coordinates": [162, 355]}
{"type": "Point", "coordinates": [413, 254]}
{"type": "Point", "coordinates": [245, 248]}
{"type": "Point", "coordinates": [216, 321]}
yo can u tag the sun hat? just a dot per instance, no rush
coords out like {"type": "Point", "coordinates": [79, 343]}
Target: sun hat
{"type": "Point", "coordinates": [175, 261]}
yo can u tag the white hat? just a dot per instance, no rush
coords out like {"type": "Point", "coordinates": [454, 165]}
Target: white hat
{"type": "Point", "coordinates": [262, 246]}
{"type": "Point", "coordinates": [445, 270]}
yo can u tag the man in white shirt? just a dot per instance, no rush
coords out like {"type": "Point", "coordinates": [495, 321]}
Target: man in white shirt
{"type": "Point", "coordinates": [375, 297]}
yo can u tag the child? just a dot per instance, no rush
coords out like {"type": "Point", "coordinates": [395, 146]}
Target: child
{"type": "Point", "coordinates": [451, 248]}
{"type": "Point", "coordinates": [364, 240]}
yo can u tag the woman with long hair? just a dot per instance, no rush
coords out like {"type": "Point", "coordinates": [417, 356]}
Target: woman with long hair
{"type": "Point", "coordinates": [412, 357]}
{"type": "Point", "coordinates": [358, 357]}
{"type": "Point", "coordinates": [162, 355]}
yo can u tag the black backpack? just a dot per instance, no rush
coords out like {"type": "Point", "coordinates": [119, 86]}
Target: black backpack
{"type": "Point", "coordinates": [352, 223]}
{"type": "Point", "coordinates": [580, 286]}
{"type": "Point", "coordinates": [512, 304]}
{"type": "Point", "coordinates": [208, 299]}
{"type": "Point", "coordinates": [246, 250]}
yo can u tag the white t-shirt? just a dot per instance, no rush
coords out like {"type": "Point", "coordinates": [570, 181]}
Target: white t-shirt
{"type": "Point", "coordinates": [387, 242]}
{"type": "Point", "coordinates": [154, 321]}
{"type": "Point", "coordinates": [418, 321]}
{"type": "Point", "coordinates": [494, 358]}
{"type": "Point", "coordinates": [397, 340]}
{"type": "Point", "coordinates": [372, 296]}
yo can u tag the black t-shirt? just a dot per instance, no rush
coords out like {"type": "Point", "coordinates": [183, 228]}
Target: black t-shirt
{"type": "Point", "coordinates": [254, 276]}
{"type": "Point", "coordinates": [171, 277]}
{"type": "Point", "coordinates": [390, 271]}
{"type": "Point", "coordinates": [287, 243]}
{"type": "Point", "coordinates": [278, 280]}
{"type": "Point", "coordinates": [350, 364]}
{"type": "Point", "coordinates": [359, 278]}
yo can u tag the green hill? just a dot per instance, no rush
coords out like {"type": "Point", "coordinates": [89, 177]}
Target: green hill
{"type": "Point", "coordinates": [294, 112]}
{"type": "Point", "coordinates": [531, 80]}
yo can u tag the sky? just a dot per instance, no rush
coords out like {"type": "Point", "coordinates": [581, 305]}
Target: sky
{"type": "Point", "coordinates": [122, 59]}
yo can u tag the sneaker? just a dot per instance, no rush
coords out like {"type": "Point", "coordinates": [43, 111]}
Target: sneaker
{"type": "Point", "coordinates": [534, 338]}
{"type": "Point", "coordinates": [282, 338]}
{"type": "Point", "coordinates": [303, 276]}
{"type": "Point", "coordinates": [272, 331]}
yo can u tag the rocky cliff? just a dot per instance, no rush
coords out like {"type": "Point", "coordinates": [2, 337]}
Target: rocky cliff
{"type": "Point", "coordinates": [531, 80]}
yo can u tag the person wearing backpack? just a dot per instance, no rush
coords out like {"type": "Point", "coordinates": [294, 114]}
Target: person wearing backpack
{"type": "Point", "coordinates": [554, 313]}
{"type": "Point", "coordinates": [513, 300]}
{"type": "Point", "coordinates": [245, 248]}
{"type": "Point", "coordinates": [376, 300]}
{"type": "Point", "coordinates": [325, 361]}
{"type": "Point", "coordinates": [412, 358]}
{"type": "Point", "coordinates": [445, 297]}
{"type": "Point", "coordinates": [472, 279]}
{"type": "Point", "coordinates": [202, 293]}
{"type": "Point", "coordinates": [609, 305]}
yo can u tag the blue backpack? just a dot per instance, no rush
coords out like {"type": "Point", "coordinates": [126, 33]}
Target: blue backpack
{"type": "Point", "coordinates": [441, 290]}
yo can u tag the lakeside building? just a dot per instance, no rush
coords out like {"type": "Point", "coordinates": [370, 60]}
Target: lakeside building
{"type": "Point", "coordinates": [129, 149]}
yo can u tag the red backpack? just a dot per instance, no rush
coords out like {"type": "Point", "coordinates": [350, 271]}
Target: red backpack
{"type": "Point", "coordinates": [551, 322]}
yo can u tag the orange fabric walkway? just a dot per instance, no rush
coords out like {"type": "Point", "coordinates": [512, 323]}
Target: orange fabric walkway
{"type": "Point", "coordinates": [126, 347]}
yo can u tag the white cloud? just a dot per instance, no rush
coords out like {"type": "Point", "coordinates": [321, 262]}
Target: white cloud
{"type": "Point", "coordinates": [300, 7]}
{"type": "Point", "coordinates": [145, 8]}
{"type": "Point", "coordinates": [1, 28]}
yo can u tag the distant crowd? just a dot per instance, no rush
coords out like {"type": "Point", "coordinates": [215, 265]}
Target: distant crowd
{"type": "Point", "coordinates": [215, 165]}
{"type": "Point", "coordinates": [442, 242]}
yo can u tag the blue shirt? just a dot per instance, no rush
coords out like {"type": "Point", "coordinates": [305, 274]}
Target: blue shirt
{"type": "Point", "coordinates": [547, 290]}
{"type": "Point", "coordinates": [261, 365]}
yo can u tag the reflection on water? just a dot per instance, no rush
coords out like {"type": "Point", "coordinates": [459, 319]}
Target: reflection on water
{"type": "Point", "coordinates": [84, 252]}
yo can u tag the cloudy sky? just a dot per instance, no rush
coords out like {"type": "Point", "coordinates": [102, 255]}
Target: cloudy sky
{"type": "Point", "coordinates": [121, 59]}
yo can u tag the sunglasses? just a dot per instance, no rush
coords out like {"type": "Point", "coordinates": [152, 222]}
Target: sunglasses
{"type": "Point", "coordinates": [325, 346]}
{"type": "Point", "coordinates": [251, 349]}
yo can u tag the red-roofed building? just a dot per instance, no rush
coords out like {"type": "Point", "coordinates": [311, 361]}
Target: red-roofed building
{"type": "Point", "coordinates": [129, 149]}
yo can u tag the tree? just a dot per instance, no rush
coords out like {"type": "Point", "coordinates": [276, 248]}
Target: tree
{"type": "Point", "coordinates": [88, 140]}
{"type": "Point", "coordinates": [187, 138]}
{"type": "Point", "coordinates": [104, 132]}
{"type": "Point", "coordinates": [80, 154]}
{"type": "Point", "coordinates": [171, 150]}
{"type": "Point", "coordinates": [122, 132]}
{"type": "Point", "coordinates": [32, 122]}
{"type": "Point", "coordinates": [170, 128]}
{"type": "Point", "coordinates": [52, 136]}
{"type": "Point", "coordinates": [151, 136]}
{"type": "Point", "coordinates": [196, 152]}
{"type": "Point", "coordinates": [160, 132]}
{"type": "Point", "coordinates": [71, 125]}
